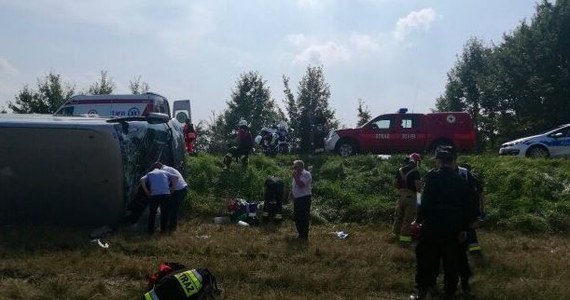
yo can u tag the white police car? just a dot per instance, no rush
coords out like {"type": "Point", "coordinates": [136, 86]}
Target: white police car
{"type": "Point", "coordinates": [555, 142]}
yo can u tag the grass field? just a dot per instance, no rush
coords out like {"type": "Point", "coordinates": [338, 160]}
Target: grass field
{"type": "Point", "coordinates": [265, 263]}
{"type": "Point", "coordinates": [526, 243]}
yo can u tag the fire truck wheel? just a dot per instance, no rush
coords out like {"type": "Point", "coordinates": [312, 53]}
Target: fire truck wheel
{"type": "Point", "coordinates": [346, 148]}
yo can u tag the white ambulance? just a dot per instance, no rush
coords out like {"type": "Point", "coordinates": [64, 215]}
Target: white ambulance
{"type": "Point", "coordinates": [122, 106]}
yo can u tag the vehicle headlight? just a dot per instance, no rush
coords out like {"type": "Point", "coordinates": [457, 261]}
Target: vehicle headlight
{"type": "Point", "coordinates": [331, 132]}
{"type": "Point", "coordinates": [510, 144]}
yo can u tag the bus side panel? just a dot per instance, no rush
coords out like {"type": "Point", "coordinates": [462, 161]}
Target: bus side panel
{"type": "Point", "coordinates": [64, 176]}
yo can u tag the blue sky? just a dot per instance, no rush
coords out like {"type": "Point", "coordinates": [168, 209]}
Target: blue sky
{"type": "Point", "coordinates": [390, 53]}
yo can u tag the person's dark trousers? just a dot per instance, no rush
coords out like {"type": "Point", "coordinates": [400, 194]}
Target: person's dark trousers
{"type": "Point", "coordinates": [302, 211]}
{"type": "Point", "coordinates": [178, 197]}
{"type": "Point", "coordinates": [427, 263]}
{"type": "Point", "coordinates": [472, 242]}
{"type": "Point", "coordinates": [431, 249]}
{"type": "Point", "coordinates": [155, 202]}
{"type": "Point", "coordinates": [463, 266]}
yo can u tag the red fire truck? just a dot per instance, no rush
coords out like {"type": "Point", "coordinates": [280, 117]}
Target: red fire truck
{"type": "Point", "coordinates": [405, 132]}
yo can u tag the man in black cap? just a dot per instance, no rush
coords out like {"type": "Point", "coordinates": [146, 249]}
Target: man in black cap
{"type": "Point", "coordinates": [443, 216]}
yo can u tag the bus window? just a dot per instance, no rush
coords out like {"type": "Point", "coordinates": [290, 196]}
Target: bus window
{"type": "Point", "coordinates": [65, 111]}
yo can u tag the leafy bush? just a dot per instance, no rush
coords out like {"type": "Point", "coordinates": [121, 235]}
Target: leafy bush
{"type": "Point", "coordinates": [531, 195]}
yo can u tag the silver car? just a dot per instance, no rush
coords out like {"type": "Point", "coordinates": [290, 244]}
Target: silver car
{"type": "Point", "coordinates": [553, 143]}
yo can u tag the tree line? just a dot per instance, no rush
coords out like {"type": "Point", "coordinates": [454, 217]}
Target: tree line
{"type": "Point", "coordinates": [51, 92]}
{"type": "Point", "coordinates": [518, 86]}
{"type": "Point", "coordinates": [307, 111]}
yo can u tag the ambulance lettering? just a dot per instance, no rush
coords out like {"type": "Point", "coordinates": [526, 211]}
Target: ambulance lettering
{"type": "Point", "coordinates": [118, 113]}
{"type": "Point", "coordinates": [134, 112]}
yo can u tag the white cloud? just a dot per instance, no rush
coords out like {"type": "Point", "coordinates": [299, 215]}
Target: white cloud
{"type": "Point", "coordinates": [6, 67]}
{"type": "Point", "coordinates": [327, 53]}
{"type": "Point", "coordinates": [416, 19]}
{"type": "Point", "coordinates": [364, 43]}
{"type": "Point", "coordinates": [309, 3]}
{"type": "Point", "coordinates": [296, 39]}
{"type": "Point", "coordinates": [179, 24]}
{"type": "Point", "coordinates": [186, 33]}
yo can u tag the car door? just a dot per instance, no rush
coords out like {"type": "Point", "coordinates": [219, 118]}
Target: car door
{"type": "Point", "coordinates": [379, 134]}
{"type": "Point", "coordinates": [408, 135]}
{"type": "Point", "coordinates": [559, 144]}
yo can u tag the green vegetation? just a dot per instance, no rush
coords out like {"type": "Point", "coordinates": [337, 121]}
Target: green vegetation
{"type": "Point", "coordinates": [517, 85]}
{"type": "Point", "coordinates": [267, 263]}
{"type": "Point", "coordinates": [529, 195]}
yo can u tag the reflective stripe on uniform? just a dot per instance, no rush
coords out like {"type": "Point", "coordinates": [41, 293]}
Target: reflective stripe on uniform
{"type": "Point", "coordinates": [189, 282]}
{"type": "Point", "coordinates": [474, 247]}
{"type": "Point", "coordinates": [278, 216]}
{"type": "Point", "coordinates": [151, 295]}
{"type": "Point", "coordinates": [404, 238]}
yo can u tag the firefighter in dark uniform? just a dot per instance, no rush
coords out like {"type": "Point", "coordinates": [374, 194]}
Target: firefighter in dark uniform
{"type": "Point", "coordinates": [444, 217]}
{"type": "Point", "coordinates": [471, 243]}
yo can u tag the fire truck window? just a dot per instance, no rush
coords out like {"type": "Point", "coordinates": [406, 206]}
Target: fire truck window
{"type": "Point", "coordinates": [408, 123]}
{"type": "Point", "coordinates": [383, 124]}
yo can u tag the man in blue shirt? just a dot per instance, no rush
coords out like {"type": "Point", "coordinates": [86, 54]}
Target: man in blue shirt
{"type": "Point", "coordinates": [156, 185]}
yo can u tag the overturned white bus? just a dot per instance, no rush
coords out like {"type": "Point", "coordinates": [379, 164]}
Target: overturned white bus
{"type": "Point", "coordinates": [80, 170]}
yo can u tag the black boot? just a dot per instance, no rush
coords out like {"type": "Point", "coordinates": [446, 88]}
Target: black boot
{"type": "Point", "coordinates": [421, 294]}
{"type": "Point", "coordinates": [465, 287]}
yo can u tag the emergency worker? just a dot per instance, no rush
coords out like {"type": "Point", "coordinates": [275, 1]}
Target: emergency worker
{"type": "Point", "coordinates": [471, 243]}
{"type": "Point", "coordinates": [242, 145]}
{"type": "Point", "coordinates": [478, 205]}
{"type": "Point", "coordinates": [442, 219]}
{"type": "Point", "coordinates": [189, 136]}
{"type": "Point", "coordinates": [408, 183]}
{"type": "Point", "coordinates": [179, 189]}
{"type": "Point", "coordinates": [156, 185]}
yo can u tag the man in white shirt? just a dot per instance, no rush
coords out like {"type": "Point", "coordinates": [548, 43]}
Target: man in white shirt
{"type": "Point", "coordinates": [301, 190]}
{"type": "Point", "coordinates": [156, 185]}
{"type": "Point", "coordinates": [179, 190]}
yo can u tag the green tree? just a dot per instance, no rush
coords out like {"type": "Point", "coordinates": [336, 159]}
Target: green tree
{"type": "Point", "coordinates": [363, 113]}
{"type": "Point", "coordinates": [466, 88]}
{"type": "Point", "coordinates": [103, 86]}
{"type": "Point", "coordinates": [214, 136]}
{"type": "Point", "coordinates": [310, 114]}
{"type": "Point", "coordinates": [521, 85]}
{"type": "Point", "coordinates": [138, 87]}
{"type": "Point", "coordinates": [250, 100]}
{"type": "Point", "coordinates": [290, 103]}
{"type": "Point", "coordinates": [535, 74]}
{"type": "Point", "coordinates": [48, 97]}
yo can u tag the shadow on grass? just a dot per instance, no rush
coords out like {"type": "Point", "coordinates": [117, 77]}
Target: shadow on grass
{"type": "Point", "coordinates": [43, 238]}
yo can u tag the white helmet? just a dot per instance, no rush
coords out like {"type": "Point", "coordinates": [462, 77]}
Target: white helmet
{"type": "Point", "coordinates": [258, 139]}
{"type": "Point", "coordinates": [282, 125]}
{"type": "Point", "coordinates": [242, 122]}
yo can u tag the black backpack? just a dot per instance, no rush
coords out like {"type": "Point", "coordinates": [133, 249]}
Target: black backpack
{"type": "Point", "coordinates": [185, 284]}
